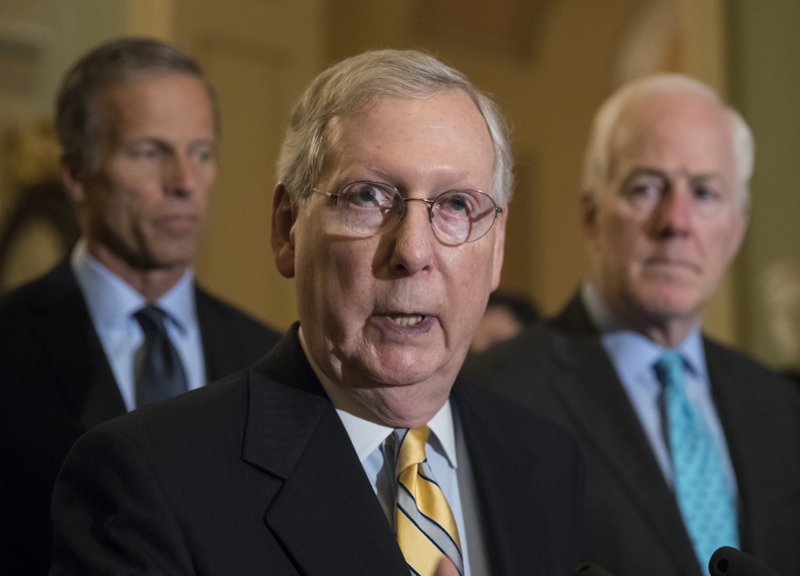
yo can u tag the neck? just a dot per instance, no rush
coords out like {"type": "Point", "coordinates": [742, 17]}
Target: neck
{"type": "Point", "coordinates": [150, 282]}
{"type": "Point", "coordinates": [667, 337]}
{"type": "Point", "coordinates": [388, 405]}
{"type": "Point", "coordinates": [667, 332]}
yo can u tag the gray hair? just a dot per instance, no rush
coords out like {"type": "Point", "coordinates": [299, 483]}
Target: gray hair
{"type": "Point", "coordinates": [78, 123]}
{"type": "Point", "coordinates": [352, 86]}
{"type": "Point", "coordinates": [598, 158]}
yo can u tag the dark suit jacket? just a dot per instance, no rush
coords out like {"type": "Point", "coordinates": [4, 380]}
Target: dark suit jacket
{"type": "Point", "coordinates": [256, 475]}
{"type": "Point", "coordinates": [56, 383]}
{"type": "Point", "coordinates": [633, 526]}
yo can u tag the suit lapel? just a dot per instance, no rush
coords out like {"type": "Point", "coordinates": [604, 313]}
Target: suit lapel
{"type": "Point", "coordinates": [589, 389]}
{"type": "Point", "coordinates": [732, 390]}
{"type": "Point", "coordinates": [517, 464]}
{"type": "Point", "coordinates": [499, 488]}
{"type": "Point", "coordinates": [325, 503]}
{"type": "Point", "coordinates": [72, 347]}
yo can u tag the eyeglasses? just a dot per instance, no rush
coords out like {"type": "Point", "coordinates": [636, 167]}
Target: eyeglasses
{"type": "Point", "coordinates": [456, 216]}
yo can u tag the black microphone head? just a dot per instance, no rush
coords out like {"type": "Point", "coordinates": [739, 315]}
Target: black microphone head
{"type": "Point", "coordinates": [728, 561]}
{"type": "Point", "coordinates": [590, 570]}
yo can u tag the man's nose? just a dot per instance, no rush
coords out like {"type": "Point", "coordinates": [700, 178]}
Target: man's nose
{"type": "Point", "coordinates": [179, 175]}
{"type": "Point", "coordinates": [414, 239]}
{"type": "Point", "coordinates": [674, 213]}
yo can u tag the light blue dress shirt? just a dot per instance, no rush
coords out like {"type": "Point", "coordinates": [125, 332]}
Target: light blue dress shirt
{"type": "Point", "coordinates": [378, 458]}
{"type": "Point", "coordinates": [112, 304]}
{"type": "Point", "coordinates": [633, 356]}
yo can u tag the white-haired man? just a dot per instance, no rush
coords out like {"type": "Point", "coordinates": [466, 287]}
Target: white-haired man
{"type": "Point", "coordinates": [690, 445]}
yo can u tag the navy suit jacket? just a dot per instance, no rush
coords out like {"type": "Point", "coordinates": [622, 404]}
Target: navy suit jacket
{"type": "Point", "coordinates": [632, 523]}
{"type": "Point", "coordinates": [56, 383]}
{"type": "Point", "coordinates": [257, 475]}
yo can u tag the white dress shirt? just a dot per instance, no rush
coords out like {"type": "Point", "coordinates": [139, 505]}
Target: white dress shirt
{"type": "Point", "coordinates": [112, 304]}
{"type": "Point", "coordinates": [633, 356]}
{"type": "Point", "coordinates": [378, 459]}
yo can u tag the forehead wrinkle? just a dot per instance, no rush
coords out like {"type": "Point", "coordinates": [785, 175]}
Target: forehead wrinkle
{"type": "Point", "coordinates": [439, 178]}
{"type": "Point", "coordinates": [437, 172]}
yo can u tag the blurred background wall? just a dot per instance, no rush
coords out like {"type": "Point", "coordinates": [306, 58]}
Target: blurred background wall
{"type": "Point", "coordinates": [549, 63]}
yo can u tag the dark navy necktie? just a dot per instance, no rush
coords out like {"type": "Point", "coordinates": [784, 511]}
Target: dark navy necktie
{"type": "Point", "coordinates": [160, 374]}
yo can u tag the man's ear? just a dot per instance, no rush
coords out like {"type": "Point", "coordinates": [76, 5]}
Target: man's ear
{"type": "Point", "coordinates": [73, 183]}
{"type": "Point", "coordinates": [499, 248]}
{"type": "Point", "coordinates": [588, 210]}
{"type": "Point", "coordinates": [282, 237]}
{"type": "Point", "coordinates": [742, 222]}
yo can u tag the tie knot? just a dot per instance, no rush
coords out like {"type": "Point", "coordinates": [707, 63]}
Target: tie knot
{"type": "Point", "coordinates": [159, 371]}
{"type": "Point", "coordinates": [669, 369]}
{"type": "Point", "coordinates": [151, 319]}
{"type": "Point", "coordinates": [411, 449]}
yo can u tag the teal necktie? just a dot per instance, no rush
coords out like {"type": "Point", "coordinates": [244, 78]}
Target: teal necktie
{"type": "Point", "coordinates": [706, 504]}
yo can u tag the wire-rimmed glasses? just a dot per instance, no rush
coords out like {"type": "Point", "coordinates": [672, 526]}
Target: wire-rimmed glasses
{"type": "Point", "coordinates": [456, 216]}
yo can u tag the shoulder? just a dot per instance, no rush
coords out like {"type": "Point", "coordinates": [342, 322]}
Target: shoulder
{"type": "Point", "coordinates": [221, 315]}
{"type": "Point", "coordinates": [38, 313]}
{"type": "Point", "coordinates": [720, 357]}
{"type": "Point", "coordinates": [210, 416]}
{"type": "Point", "coordinates": [762, 403]}
{"type": "Point", "coordinates": [57, 285]}
{"type": "Point", "coordinates": [733, 370]}
{"type": "Point", "coordinates": [535, 356]}
{"type": "Point", "coordinates": [218, 413]}
{"type": "Point", "coordinates": [522, 351]}
{"type": "Point", "coordinates": [510, 421]}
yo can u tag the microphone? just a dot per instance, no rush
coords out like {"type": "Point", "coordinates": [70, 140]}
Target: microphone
{"type": "Point", "coordinates": [728, 561]}
{"type": "Point", "coordinates": [590, 570]}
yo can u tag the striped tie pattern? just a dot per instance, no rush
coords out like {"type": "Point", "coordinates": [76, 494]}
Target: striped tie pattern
{"type": "Point", "coordinates": [426, 528]}
{"type": "Point", "coordinates": [706, 504]}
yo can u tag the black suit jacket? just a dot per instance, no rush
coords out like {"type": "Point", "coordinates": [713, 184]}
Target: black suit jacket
{"type": "Point", "coordinates": [256, 475]}
{"type": "Point", "coordinates": [633, 525]}
{"type": "Point", "coordinates": [56, 383]}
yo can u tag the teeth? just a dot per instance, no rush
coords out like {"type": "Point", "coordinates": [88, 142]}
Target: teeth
{"type": "Point", "coordinates": [407, 319]}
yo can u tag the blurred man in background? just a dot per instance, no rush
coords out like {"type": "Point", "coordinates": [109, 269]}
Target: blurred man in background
{"type": "Point", "coordinates": [121, 322]}
{"type": "Point", "coordinates": [690, 445]}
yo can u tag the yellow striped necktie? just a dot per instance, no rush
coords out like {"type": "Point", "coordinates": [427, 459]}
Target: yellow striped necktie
{"type": "Point", "coordinates": [426, 528]}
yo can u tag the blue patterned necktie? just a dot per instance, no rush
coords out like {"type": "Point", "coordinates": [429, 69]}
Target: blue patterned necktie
{"type": "Point", "coordinates": [426, 528]}
{"type": "Point", "coordinates": [705, 501]}
{"type": "Point", "coordinates": [160, 373]}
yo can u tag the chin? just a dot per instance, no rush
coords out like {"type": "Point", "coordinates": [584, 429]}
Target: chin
{"type": "Point", "coordinates": [407, 406]}
{"type": "Point", "coordinates": [667, 306]}
{"type": "Point", "coordinates": [171, 259]}
{"type": "Point", "coordinates": [400, 376]}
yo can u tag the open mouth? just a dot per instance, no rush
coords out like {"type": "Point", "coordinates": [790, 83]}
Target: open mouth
{"type": "Point", "coordinates": [407, 320]}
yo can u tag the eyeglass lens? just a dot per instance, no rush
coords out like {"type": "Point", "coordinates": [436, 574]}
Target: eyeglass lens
{"type": "Point", "coordinates": [457, 216]}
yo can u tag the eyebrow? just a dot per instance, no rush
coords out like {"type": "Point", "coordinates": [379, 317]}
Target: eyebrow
{"type": "Point", "coordinates": [166, 145]}
{"type": "Point", "coordinates": [651, 171]}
